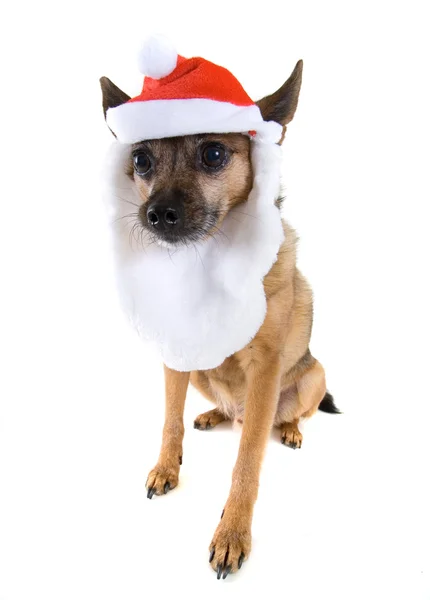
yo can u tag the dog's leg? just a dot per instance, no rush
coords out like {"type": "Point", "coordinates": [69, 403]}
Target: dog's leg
{"type": "Point", "coordinates": [312, 387]}
{"type": "Point", "coordinates": [300, 400]}
{"type": "Point", "coordinates": [231, 543]}
{"type": "Point", "coordinates": [164, 476]}
{"type": "Point", "coordinates": [210, 419]}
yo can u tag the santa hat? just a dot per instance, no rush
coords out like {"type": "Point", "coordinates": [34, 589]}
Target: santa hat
{"type": "Point", "coordinates": [183, 96]}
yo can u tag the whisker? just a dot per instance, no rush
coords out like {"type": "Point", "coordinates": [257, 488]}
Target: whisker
{"type": "Point", "coordinates": [125, 217]}
{"type": "Point", "coordinates": [239, 212]}
{"type": "Point", "coordinates": [127, 201]}
{"type": "Point", "coordinates": [215, 235]}
{"type": "Point", "coordinates": [170, 256]}
{"type": "Point", "coordinates": [219, 231]}
{"type": "Point", "coordinates": [197, 250]}
{"type": "Point", "coordinates": [131, 235]}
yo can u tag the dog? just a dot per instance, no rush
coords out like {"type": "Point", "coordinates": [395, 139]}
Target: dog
{"type": "Point", "coordinates": [186, 187]}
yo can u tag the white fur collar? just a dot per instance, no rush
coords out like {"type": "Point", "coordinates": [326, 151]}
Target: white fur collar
{"type": "Point", "coordinates": [204, 302]}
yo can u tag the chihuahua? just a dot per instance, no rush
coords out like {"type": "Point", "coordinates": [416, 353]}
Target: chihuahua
{"type": "Point", "coordinates": [186, 186]}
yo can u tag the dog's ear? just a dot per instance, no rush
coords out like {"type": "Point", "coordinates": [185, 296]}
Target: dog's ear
{"type": "Point", "coordinates": [281, 105]}
{"type": "Point", "coordinates": [112, 95]}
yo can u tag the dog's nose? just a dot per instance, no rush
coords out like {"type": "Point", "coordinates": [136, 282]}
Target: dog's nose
{"type": "Point", "coordinates": [166, 214]}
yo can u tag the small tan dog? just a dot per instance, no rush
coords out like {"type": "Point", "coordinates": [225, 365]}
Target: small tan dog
{"type": "Point", "coordinates": [187, 185]}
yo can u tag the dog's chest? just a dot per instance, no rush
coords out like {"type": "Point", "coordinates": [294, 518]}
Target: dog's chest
{"type": "Point", "coordinates": [228, 385]}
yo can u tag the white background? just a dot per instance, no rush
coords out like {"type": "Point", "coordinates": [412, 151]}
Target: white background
{"type": "Point", "coordinates": [345, 517]}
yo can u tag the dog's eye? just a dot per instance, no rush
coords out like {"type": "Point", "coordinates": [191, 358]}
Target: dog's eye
{"type": "Point", "coordinates": [142, 163]}
{"type": "Point", "coordinates": [213, 156]}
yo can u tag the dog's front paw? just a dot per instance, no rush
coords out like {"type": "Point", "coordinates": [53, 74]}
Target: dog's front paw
{"type": "Point", "coordinates": [230, 546]}
{"type": "Point", "coordinates": [161, 479]}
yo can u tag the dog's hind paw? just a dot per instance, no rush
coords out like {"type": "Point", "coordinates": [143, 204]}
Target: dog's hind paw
{"type": "Point", "coordinates": [291, 436]}
{"type": "Point", "coordinates": [209, 420]}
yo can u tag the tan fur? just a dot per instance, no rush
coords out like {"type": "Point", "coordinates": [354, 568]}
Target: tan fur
{"type": "Point", "coordinates": [175, 167]}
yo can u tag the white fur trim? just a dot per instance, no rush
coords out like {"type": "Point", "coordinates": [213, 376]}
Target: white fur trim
{"type": "Point", "coordinates": [269, 132]}
{"type": "Point", "coordinates": [200, 303]}
{"type": "Point", "coordinates": [135, 121]}
{"type": "Point", "coordinates": [157, 57]}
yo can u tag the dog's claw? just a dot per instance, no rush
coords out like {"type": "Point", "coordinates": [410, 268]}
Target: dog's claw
{"type": "Point", "coordinates": [151, 492]}
{"type": "Point", "coordinates": [227, 555]}
{"type": "Point", "coordinates": [201, 427]}
{"type": "Point", "coordinates": [166, 487]}
{"type": "Point", "coordinates": [293, 445]}
{"type": "Point", "coordinates": [227, 571]}
{"type": "Point", "coordinates": [222, 514]}
{"type": "Point", "coordinates": [180, 460]}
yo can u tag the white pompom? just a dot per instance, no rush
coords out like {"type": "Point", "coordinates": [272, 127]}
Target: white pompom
{"type": "Point", "coordinates": [157, 57]}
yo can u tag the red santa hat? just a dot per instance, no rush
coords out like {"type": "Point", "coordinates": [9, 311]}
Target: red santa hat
{"type": "Point", "coordinates": [183, 96]}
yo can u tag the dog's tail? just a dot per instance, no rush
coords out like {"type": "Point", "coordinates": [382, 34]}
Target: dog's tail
{"type": "Point", "coordinates": [327, 405]}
